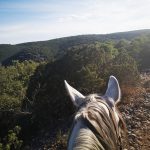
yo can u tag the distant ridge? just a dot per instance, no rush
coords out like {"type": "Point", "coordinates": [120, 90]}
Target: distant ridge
{"type": "Point", "coordinates": [55, 48]}
{"type": "Point", "coordinates": [122, 34]}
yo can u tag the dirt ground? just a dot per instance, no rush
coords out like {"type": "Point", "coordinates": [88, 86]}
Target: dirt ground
{"type": "Point", "coordinates": [137, 117]}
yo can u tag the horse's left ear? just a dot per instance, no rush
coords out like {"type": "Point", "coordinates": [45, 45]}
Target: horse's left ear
{"type": "Point", "coordinates": [113, 91]}
{"type": "Point", "coordinates": [76, 97]}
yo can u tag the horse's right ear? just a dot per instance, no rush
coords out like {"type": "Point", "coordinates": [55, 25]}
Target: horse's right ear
{"type": "Point", "coordinates": [76, 96]}
{"type": "Point", "coordinates": [113, 91]}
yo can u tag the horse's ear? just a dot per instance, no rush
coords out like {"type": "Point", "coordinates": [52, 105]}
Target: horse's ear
{"type": "Point", "coordinates": [113, 91]}
{"type": "Point", "coordinates": [76, 97]}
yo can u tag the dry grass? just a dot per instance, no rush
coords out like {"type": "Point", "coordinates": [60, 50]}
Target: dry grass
{"type": "Point", "coordinates": [129, 92]}
{"type": "Point", "coordinates": [60, 142]}
{"type": "Point", "coordinates": [148, 90]}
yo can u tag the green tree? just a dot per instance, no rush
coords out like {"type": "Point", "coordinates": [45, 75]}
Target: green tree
{"type": "Point", "coordinates": [13, 84]}
{"type": "Point", "coordinates": [11, 140]}
{"type": "Point", "coordinates": [124, 67]}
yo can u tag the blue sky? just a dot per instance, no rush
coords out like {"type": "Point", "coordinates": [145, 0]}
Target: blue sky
{"type": "Point", "coordinates": [35, 20]}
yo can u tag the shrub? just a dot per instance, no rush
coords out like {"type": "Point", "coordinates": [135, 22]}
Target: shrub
{"type": "Point", "coordinates": [11, 140]}
{"type": "Point", "coordinates": [13, 84]}
{"type": "Point", "coordinates": [60, 142]}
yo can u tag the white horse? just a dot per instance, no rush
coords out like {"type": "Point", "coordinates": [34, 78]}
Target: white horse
{"type": "Point", "coordinates": [97, 124]}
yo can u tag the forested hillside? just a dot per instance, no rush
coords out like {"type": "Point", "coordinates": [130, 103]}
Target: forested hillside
{"type": "Point", "coordinates": [33, 100]}
{"type": "Point", "coordinates": [54, 49]}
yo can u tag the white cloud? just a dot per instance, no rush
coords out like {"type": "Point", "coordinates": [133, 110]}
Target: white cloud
{"type": "Point", "coordinates": [78, 17]}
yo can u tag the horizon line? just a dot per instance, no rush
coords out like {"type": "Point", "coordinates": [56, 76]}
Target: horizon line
{"type": "Point", "coordinates": [61, 37]}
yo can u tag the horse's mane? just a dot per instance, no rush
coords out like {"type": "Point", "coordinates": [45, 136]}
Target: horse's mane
{"type": "Point", "coordinates": [101, 131]}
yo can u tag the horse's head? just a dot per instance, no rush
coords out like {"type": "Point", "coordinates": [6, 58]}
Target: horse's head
{"type": "Point", "coordinates": [98, 114]}
{"type": "Point", "coordinates": [111, 97]}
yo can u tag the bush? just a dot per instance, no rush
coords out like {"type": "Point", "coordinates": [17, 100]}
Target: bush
{"type": "Point", "coordinates": [11, 141]}
{"type": "Point", "coordinates": [13, 82]}
{"type": "Point", "coordinates": [60, 142]}
{"type": "Point", "coordinates": [125, 69]}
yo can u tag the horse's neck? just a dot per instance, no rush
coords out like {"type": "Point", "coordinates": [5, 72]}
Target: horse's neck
{"type": "Point", "coordinates": [75, 133]}
{"type": "Point", "coordinates": [83, 138]}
